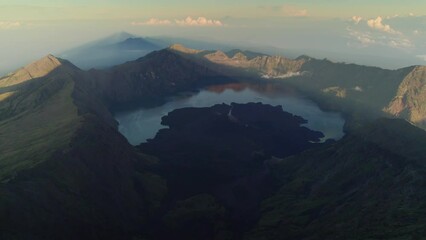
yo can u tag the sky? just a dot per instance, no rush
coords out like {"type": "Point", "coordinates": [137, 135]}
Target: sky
{"type": "Point", "coordinates": [387, 33]}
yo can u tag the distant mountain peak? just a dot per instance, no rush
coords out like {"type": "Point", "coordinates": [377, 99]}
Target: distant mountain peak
{"type": "Point", "coordinates": [137, 43]}
{"type": "Point", "coordinates": [183, 49]}
{"type": "Point", "coordinates": [134, 40]}
{"type": "Point", "coordinates": [124, 33]}
{"type": "Point", "coordinates": [48, 60]}
{"type": "Point", "coordinates": [131, 39]}
{"type": "Point", "coordinates": [121, 36]}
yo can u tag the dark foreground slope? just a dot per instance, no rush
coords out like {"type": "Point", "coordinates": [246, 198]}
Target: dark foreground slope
{"type": "Point", "coordinates": [221, 152]}
{"type": "Point", "coordinates": [369, 185]}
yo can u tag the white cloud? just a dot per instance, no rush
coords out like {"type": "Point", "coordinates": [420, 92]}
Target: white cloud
{"type": "Point", "coordinates": [292, 11]}
{"type": "Point", "coordinates": [356, 19]}
{"type": "Point", "coordinates": [422, 57]}
{"type": "Point", "coordinates": [358, 89]}
{"type": "Point", "coordinates": [416, 32]}
{"type": "Point", "coordinates": [201, 21]}
{"type": "Point", "coordinates": [189, 21]}
{"type": "Point", "coordinates": [153, 21]}
{"type": "Point", "coordinates": [394, 16]}
{"type": "Point", "coordinates": [10, 25]}
{"type": "Point", "coordinates": [366, 39]}
{"type": "Point", "coordinates": [379, 25]}
{"type": "Point", "coordinates": [400, 43]}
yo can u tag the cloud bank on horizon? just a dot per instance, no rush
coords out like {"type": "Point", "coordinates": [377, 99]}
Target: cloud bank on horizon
{"type": "Point", "coordinates": [395, 30]}
{"type": "Point", "coordinates": [188, 21]}
{"type": "Point", "coordinates": [9, 24]}
{"type": "Point", "coordinates": [375, 32]}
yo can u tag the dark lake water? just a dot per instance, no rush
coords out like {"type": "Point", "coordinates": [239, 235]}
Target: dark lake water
{"type": "Point", "coordinates": [143, 123]}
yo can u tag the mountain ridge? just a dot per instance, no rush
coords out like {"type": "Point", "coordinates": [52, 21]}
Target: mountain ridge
{"type": "Point", "coordinates": [36, 69]}
{"type": "Point", "coordinates": [409, 100]}
{"type": "Point", "coordinates": [263, 64]}
{"type": "Point", "coordinates": [340, 86]}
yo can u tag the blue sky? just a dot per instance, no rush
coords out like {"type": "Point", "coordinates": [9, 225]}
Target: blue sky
{"type": "Point", "coordinates": [331, 28]}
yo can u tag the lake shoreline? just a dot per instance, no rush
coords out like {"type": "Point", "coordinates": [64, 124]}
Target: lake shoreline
{"type": "Point", "coordinates": [147, 120]}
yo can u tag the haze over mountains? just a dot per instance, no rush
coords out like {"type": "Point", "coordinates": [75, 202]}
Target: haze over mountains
{"type": "Point", "coordinates": [66, 172]}
{"type": "Point", "coordinates": [110, 51]}
{"type": "Point", "coordinates": [18, 55]}
{"type": "Point", "coordinates": [113, 49]}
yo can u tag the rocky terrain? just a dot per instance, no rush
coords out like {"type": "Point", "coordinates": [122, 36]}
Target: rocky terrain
{"type": "Point", "coordinates": [349, 88]}
{"type": "Point", "coordinates": [269, 66]}
{"type": "Point", "coordinates": [35, 70]}
{"type": "Point", "coordinates": [409, 101]}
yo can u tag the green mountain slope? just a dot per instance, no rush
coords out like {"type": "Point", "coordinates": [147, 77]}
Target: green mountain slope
{"type": "Point", "coordinates": [66, 172]}
{"type": "Point", "coordinates": [38, 119]}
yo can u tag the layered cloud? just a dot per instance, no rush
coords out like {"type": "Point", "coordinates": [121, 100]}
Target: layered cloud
{"type": "Point", "coordinates": [365, 39]}
{"type": "Point", "coordinates": [9, 25]}
{"type": "Point", "coordinates": [153, 21]}
{"type": "Point", "coordinates": [378, 24]}
{"type": "Point", "coordinates": [201, 21]}
{"type": "Point", "coordinates": [368, 32]}
{"type": "Point", "coordinates": [189, 21]}
{"type": "Point", "coordinates": [362, 38]}
{"type": "Point", "coordinates": [356, 19]}
{"type": "Point", "coordinates": [422, 57]}
{"type": "Point", "coordinates": [293, 11]}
